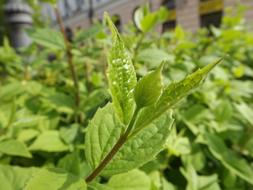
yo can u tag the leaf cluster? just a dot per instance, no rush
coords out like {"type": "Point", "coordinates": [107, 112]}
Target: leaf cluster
{"type": "Point", "coordinates": [151, 130]}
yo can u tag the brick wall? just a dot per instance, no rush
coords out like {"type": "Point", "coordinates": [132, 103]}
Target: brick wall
{"type": "Point", "coordinates": [229, 3]}
{"type": "Point", "coordinates": [188, 14]}
{"type": "Point", "coordinates": [123, 8]}
{"type": "Point", "coordinates": [249, 13]}
{"type": "Point", "coordinates": [247, 3]}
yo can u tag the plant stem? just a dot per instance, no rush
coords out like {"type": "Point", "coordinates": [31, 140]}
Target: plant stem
{"type": "Point", "coordinates": [132, 122]}
{"type": "Point", "coordinates": [123, 138]}
{"type": "Point", "coordinates": [107, 159]}
{"type": "Point", "coordinates": [69, 57]}
{"type": "Point", "coordinates": [136, 49]}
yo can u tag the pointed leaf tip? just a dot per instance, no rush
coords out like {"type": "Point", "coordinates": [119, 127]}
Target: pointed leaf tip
{"type": "Point", "coordinates": [121, 75]}
{"type": "Point", "coordinates": [112, 27]}
{"type": "Point", "coordinates": [149, 88]}
{"type": "Point", "coordinates": [173, 93]}
{"type": "Point", "coordinates": [210, 66]}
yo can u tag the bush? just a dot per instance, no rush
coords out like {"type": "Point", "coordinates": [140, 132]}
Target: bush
{"type": "Point", "coordinates": [61, 129]}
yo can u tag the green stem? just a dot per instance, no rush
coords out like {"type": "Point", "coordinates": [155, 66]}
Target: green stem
{"type": "Point", "coordinates": [137, 47]}
{"type": "Point", "coordinates": [107, 159]}
{"type": "Point", "coordinates": [123, 138]}
{"type": "Point", "coordinates": [132, 122]}
{"type": "Point", "coordinates": [70, 59]}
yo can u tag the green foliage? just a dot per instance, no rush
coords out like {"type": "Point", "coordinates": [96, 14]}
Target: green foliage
{"type": "Point", "coordinates": [121, 76]}
{"type": "Point", "coordinates": [228, 158]}
{"type": "Point", "coordinates": [141, 147]}
{"type": "Point", "coordinates": [134, 180]}
{"type": "Point", "coordinates": [153, 130]}
{"type": "Point", "coordinates": [134, 153]}
{"type": "Point", "coordinates": [48, 141]}
{"type": "Point", "coordinates": [149, 88]}
{"type": "Point", "coordinates": [153, 57]}
{"type": "Point", "coordinates": [13, 177]}
{"type": "Point", "coordinates": [172, 94]}
{"type": "Point", "coordinates": [57, 179]}
{"type": "Point", "coordinates": [102, 133]}
{"type": "Point", "coordinates": [146, 20]}
{"type": "Point", "coordinates": [48, 38]}
{"type": "Point", "coordinates": [14, 148]}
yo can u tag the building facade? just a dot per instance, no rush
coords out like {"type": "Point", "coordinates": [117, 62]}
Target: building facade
{"type": "Point", "coordinates": [190, 14]}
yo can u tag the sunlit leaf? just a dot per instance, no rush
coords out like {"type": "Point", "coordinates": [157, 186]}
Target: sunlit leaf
{"type": "Point", "coordinates": [121, 76]}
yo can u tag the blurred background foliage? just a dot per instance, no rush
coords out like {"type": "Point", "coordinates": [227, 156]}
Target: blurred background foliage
{"type": "Point", "coordinates": [210, 146]}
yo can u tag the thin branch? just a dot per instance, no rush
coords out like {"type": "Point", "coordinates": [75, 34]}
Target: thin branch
{"type": "Point", "coordinates": [69, 57]}
{"type": "Point", "coordinates": [138, 44]}
{"type": "Point", "coordinates": [107, 159]}
{"type": "Point", "coordinates": [123, 138]}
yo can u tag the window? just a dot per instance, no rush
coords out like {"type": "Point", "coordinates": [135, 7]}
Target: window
{"type": "Point", "coordinates": [79, 4]}
{"type": "Point", "coordinates": [211, 19]}
{"type": "Point", "coordinates": [170, 4]}
{"type": "Point", "coordinates": [169, 25]}
{"type": "Point", "coordinates": [210, 12]}
{"type": "Point", "coordinates": [210, 6]}
{"type": "Point", "coordinates": [171, 22]}
{"type": "Point", "coordinates": [67, 7]}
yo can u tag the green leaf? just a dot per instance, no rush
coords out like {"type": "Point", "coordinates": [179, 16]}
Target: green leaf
{"type": "Point", "coordinates": [153, 57]}
{"type": "Point", "coordinates": [224, 111]}
{"type": "Point", "coordinates": [14, 148]}
{"type": "Point", "coordinates": [180, 33]}
{"type": "Point", "coordinates": [7, 53]}
{"type": "Point", "coordinates": [97, 186]}
{"type": "Point", "coordinates": [246, 111]}
{"type": "Point", "coordinates": [8, 92]}
{"type": "Point", "coordinates": [196, 182]}
{"type": "Point", "coordinates": [121, 76]}
{"type": "Point", "coordinates": [48, 38]}
{"type": "Point", "coordinates": [167, 185]}
{"type": "Point", "coordinates": [25, 121]}
{"type": "Point", "coordinates": [53, 179]}
{"type": "Point", "coordinates": [132, 180]}
{"type": "Point", "coordinates": [197, 157]}
{"type": "Point", "coordinates": [178, 145]}
{"type": "Point", "coordinates": [27, 134]}
{"type": "Point", "coordinates": [103, 132]}
{"type": "Point", "coordinates": [175, 91]}
{"type": "Point", "coordinates": [229, 159]}
{"type": "Point", "coordinates": [139, 14]}
{"type": "Point", "coordinates": [142, 146]}
{"type": "Point", "coordinates": [89, 33]}
{"type": "Point", "coordinates": [49, 141]}
{"type": "Point", "coordinates": [61, 102]}
{"type": "Point", "coordinates": [149, 21]}
{"type": "Point", "coordinates": [163, 14]}
{"type": "Point", "coordinates": [70, 163]}
{"type": "Point", "coordinates": [172, 94]}
{"type": "Point", "coordinates": [149, 88]}
{"type": "Point", "coordinates": [145, 20]}
{"type": "Point", "coordinates": [68, 134]}
{"type": "Point", "coordinates": [15, 178]}
{"type": "Point", "coordinates": [195, 113]}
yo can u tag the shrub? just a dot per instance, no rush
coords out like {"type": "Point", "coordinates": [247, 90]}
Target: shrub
{"type": "Point", "coordinates": [61, 129]}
